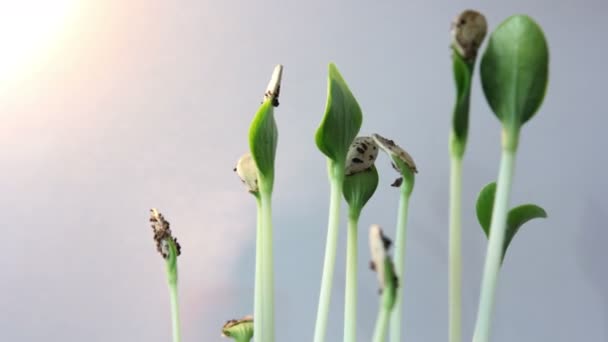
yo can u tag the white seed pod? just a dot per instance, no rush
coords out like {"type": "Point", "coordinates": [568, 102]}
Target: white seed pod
{"type": "Point", "coordinates": [379, 245]}
{"type": "Point", "coordinates": [468, 30]}
{"type": "Point", "coordinates": [248, 172]}
{"type": "Point", "coordinates": [274, 86]}
{"type": "Point", "coordinates": [361, 155]}
{"type": "Point", "coordinates": [394, 150]}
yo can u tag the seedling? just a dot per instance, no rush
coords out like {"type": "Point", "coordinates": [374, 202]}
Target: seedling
{"type": "Point", "coordinates": [169, 249]}
{"type": "Point", "coordinates": [337, 130]}
{"type": "Point", "coordinates": [468, 31]}
{"type": "Point", "coordinates": [241, 330]}
{"type": "Point", "coordinates": [263, 135]}
{"type": "Point", "coordinates": [404, 164]}
{"type": "Point", "coordinates": [387, 279]}
{"type": "Point", "coordinates": [360, 184]}
{"type": "Point", "coordinates": [514, 74]}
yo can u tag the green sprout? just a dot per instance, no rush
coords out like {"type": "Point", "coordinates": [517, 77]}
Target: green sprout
{"type": "Point", "coordinates": [468, 31]}
{"type": "Point", "coordinates": [387, 279]}
{"type": "Point", "coordinates": [360, 183]}
{"type": "Point", "coordinates": [404, 164]}
{"type": "Point", "coordinates": [516, 217]}
{"type": "Point", "coordinates": [338, 128]}
{"type": "Point", "coordinates": [263, 135]}
{"type": "Point", "coordinates": [514, 75]}
{"type": "Point", "coordinates": [168, 247]}
{"type": "Point", "coordinates": [241, 330]}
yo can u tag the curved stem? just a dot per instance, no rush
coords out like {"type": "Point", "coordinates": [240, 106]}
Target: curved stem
{"type": "Point", "coordinates": [495, 247]}
{"type": "Point", "coordinates": [174, 310]}
{"type": "Point", "coordinates": [350, 295]}
{"type": "Point", "coordinates": [400, 244]}
{"type": "Point", "coordinates": [336, 179]}
{"type": "Point", "coordinates": [258, 313]}
{"type": "Point", "coordinates": [455, 259]}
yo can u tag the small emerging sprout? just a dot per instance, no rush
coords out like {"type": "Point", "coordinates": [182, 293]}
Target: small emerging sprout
{"type": "Point", "coordinates": [248, 172]}
{"type": "Point", "coordinates": [379, 246]}
{"type": "Point", "coordinates": [383, 265]}
{"type": "Point", "coordinates": [468, 30]}
{"type": "Point", "coordinates": [241, 330]}
{"type": "Point", "coordinates": [162, 234]}
{"type": "Point", "coordinates": [168, 247]}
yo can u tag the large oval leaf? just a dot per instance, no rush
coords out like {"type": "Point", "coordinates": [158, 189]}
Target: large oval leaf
{"type": "Point", "coordinates": [514, 70]}
{"type": "Point", "coordinates": [342, 119]}
{"type": "Point", "coordinates": [515, 218]}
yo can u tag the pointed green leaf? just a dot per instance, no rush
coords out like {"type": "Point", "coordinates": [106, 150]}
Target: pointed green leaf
{"type": "Point", "coordinates": [515, 218]}
{"type": "Point", "coordinates": [485, 204]}
{"type": "Point", "coordinates": [263, 136]}
{"type": "Point", "coordinates": [518, 216]}
{"type": "Point", "coordinates": [514, 70]}
{"type": "Point", "coordinates": [358, 188]}
{"type": "Point", "coordinates": [342, 119]}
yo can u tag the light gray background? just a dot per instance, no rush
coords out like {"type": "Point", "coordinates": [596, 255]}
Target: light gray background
{"type": "Point", "coordinates": [147, 103]}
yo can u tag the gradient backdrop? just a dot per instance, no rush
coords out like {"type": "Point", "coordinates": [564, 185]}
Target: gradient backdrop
{"type": "Point", "coordinates": [140, 104]}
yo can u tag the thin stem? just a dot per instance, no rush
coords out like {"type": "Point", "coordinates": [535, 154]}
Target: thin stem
{"type": "Point", "coordinates": [336, 180]}
{"type": "Point", "coordinates": [350, 296]}
{"type": "Point", "coordinates": [258, 295]}
{"type": "Point", "coordinates": [400, 243]}
{"type": "Point", "coordinates": [381, 324]}
{"type": "Point", "coordinates": [455, 259]}
{"type": "Point", "coordinates": [267, 269]}
{"type": "Point", "coordinates": [495, 246]}
{"type": "Point", "coordinates": [174, 310]}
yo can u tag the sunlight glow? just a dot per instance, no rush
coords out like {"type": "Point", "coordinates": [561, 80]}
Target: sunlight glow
{"type": "Point", "coordinates": [28, 29]}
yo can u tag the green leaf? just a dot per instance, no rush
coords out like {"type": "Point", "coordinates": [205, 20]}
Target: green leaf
{"type": "Point", "coordinates": [358, 188]}
{"type": "Point", "coordinates": [514, 70]}
{"type": "Point", "coordinates": [485, 204]}
{"type": "Point", "coordinates": [515, 218]}
{"type": "Point", "coordinates": [460, 119]}
{"type": "Point", "coordinates": [263, 136]}
{"type": "Point", "coordinates": [342, 119]}
{"type": "Point", "coordinates": [518, 216]}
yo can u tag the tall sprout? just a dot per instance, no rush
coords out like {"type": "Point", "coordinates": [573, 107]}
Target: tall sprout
{"type": "Point", "coordinates": [514, 76]}
{"type": "Point", "coordinates": [360, 184]}
{"type": "Point", "coordinates": [338, 128]}
{"type": "Point", "coordinates": [468, 31]}
{"type": "Point", "coordinates": [263, 135]}
{"type": "Point", "coordinates": [404, 164]}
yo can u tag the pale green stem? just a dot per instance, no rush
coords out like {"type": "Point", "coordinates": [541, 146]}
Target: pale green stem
{"type": "Point", "coordinates": [350, 296]}
{"type": "Point", "coordinates": [267, 269]}
{"type": "Point", "coordinates": [336, 180]}
{"type": "Point", "coordinates": [258, 317]}
{"type": "Point", "coordinates": [174, 310]}
{"type": "Point", "coordinates": [400, 243]}
{"type": "Point", "coordinates": [495, 246]}
{"type": "Point", "coordinates": [455, 258]}
{"type": "Point", "coordinates": [381, 324]}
